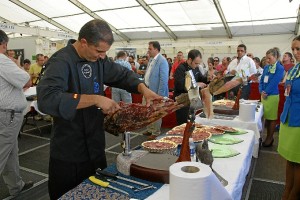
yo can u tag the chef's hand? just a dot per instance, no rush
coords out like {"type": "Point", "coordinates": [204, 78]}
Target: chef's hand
{"type": "Point", "coordinates": [233, 72]}
{"type": "Point", "coordinates": [107, 105]}
{"type": "Point", "coordinates": [201, 85]}
{"type": "Point", "coordinates": [148, 94]}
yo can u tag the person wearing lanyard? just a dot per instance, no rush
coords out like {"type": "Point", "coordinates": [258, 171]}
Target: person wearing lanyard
{"type": "Point", "coordinates": [12, 103]}
{"type": "Point", "coordinates": [268, 88]}
{"type": "Point", "coordinates": [289, 133]}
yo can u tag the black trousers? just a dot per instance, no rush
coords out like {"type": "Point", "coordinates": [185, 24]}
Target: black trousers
{"type": "Point", "coordinates": [64, 176]}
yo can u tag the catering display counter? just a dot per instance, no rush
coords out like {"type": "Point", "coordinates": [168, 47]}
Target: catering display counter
{"type": "Point", "coordinates": [233, 169]}
{"type": "Point", "coordinates": [257, 125]}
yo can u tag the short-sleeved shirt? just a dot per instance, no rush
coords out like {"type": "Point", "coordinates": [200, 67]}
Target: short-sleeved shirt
{"type": "Point", "coordinates": [246, 66]}
{"type": "Point", "coordinates": [35, 69]}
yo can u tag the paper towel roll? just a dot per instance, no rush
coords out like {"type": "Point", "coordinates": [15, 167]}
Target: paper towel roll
{"type": "Point", "coordinates": [195, 181]}
{"type": "Point", "coordinates": [247, 112]}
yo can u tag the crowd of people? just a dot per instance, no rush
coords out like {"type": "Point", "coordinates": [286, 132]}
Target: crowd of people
{"type": "Point", "coordinates": [70, 88]}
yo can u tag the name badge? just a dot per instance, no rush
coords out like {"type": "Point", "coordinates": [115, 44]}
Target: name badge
{"type": "Point", "coordinates": [266, 79]}
{"type": "Point", "coordinates": [287, 90]}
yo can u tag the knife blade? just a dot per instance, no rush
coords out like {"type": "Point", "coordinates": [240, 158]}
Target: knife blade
{"type": "Point", "coordinates": [115, 176]}
{"type": "Point", "coordinates": [122, 184]}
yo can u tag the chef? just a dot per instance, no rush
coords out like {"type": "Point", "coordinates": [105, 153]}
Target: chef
{"type": "Point", "coordinates": [71, 91]}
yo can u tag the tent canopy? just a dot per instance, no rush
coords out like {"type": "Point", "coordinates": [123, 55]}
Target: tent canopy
{"type": "Point", "coordinates": [153, 19]}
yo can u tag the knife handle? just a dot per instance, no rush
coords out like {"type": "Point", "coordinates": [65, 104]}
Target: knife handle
{"type": "Point", "coordinates": [98, 181]}
{"type": "Point", "coordinates": [107, 174]}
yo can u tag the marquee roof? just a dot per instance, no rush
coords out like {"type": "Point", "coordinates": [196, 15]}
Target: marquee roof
{"type": "Point", "coordinates": [152, 19]}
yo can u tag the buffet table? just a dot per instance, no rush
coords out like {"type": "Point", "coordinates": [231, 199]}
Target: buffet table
{"type": "Point", "coordinates": [256, 126]}
{"type": "Point", "coordinates": [233, 169]}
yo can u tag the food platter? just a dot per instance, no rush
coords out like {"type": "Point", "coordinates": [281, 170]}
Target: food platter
{"type": "Point", "coordinates": [174, 138]}
{"type": "Point", "coordinates": [200, 135]}
{"type": "Point", "coordinates": [227, 129]}
{"type": "Point", "coordinates": [159, 146]}
{"type": "Point", "coordinates": [213, 130]}
{"type": "Point", "coordinates": [179, 130]}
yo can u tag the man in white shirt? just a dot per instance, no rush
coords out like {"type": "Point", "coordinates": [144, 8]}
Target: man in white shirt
{"type": "Point", "coordinates": [12, 104]}
{"type": "Point", "coordinates": [244, 67]}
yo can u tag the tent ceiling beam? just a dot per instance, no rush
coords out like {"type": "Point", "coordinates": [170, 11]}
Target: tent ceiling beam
{"type": "Point", "coordinates": [297, 25]}
{"type": "Point", "coordinates": [36, 31]}
{"type": "Point", "coordinates": [157, 18]}
{"type": "Point", "coordinates": [44, 17]}
{"type": "Point", "coordinates": [92, 14]}
{"type": "Point", "coordinates": [222, 16]}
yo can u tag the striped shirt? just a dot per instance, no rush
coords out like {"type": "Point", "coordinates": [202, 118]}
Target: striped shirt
{"type": "Point", "coordinates": [12, 81]}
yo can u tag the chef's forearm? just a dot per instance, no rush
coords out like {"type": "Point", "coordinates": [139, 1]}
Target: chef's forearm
{"type": "Point", "coordinates": [86, 100]}
{"type": "Point", "coordinates": [142, 87]}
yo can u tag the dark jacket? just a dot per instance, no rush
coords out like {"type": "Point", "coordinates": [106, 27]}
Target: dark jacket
{"type": "Point", "coordinates": [78, 135]}
{"type": "Point", "coordinates": [179, 78]}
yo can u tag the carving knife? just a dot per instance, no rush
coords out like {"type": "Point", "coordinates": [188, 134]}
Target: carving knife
{"type": "Point", "coordinates": [105, 184]}
{"type": "Point", "coordinates": [115, 176]}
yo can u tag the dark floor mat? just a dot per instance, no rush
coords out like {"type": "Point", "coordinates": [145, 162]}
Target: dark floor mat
{"type": "Point", "coordinates": [37, 160]}
{"type": "Point", "coordinates": [133, 143]}
{"type": "Point", "coordinates": [45, 131]}
{"type": "Point", "coordinates": [261, 190]}
{"type": "Point", "coordinates": [270, 166]}
{"type": "Point", "coordinates": [273, 148]}
{"type": "Point", "coordinates": [27, 142]}
{"type": "Point", "coordinates": [26, 176]}
{"type": "Point", "coordinates": [111, 158]}
{"type": "Point", "coordinates": [112, 139]}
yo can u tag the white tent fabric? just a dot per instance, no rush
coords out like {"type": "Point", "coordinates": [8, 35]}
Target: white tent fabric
{"type": "Point", "coordinates": [164, 19]}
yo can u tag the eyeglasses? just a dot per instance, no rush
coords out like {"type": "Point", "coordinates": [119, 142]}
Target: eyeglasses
{"type": "Point", "coordinates": [216, 61]}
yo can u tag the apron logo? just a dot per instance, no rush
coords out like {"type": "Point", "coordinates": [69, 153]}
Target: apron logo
{"type": "Point", "coordinates": [86, 71]}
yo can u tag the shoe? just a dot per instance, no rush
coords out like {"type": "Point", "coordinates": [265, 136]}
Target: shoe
{"type": "Point", "coordinates": [147, 133]}
{"type": "Point", "coordinates": [268, 145]}
{"type": "Point", "coordinates": [152, 137]}
{"type": "Point", "coordinates": [47, 118]}
{"type": "Point", "coordinates": [37, 118]}
{"type": "Point", "coordinates": [27, 185]}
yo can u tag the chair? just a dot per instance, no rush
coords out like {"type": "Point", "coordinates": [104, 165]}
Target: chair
{"type": "Point", "coordinates": [30, 114]}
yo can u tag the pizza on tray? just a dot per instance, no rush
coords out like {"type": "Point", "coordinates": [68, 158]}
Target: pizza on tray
{"type": "Point", "coordinates": [159, 146]}
{"type": "Point", "coordinates": [175, 139]}
{"type": "Point", "coordinates": [214, 130]}
{"type": "Point", "coordinates": [179, 130]}
{"type": "Point", "coordinates": [226, 128]}
{"type": "Point", "coordinates": [200, 134]}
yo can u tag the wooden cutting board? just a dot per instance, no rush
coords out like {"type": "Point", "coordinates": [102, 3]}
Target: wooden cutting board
{"type": "Point", "coordinates": [153, 167]}
{"type": "Point", "coordinates": [224, 110]}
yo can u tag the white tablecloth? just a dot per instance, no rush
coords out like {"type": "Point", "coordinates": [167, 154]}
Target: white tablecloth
{"type": "Point", "coordinates": [234, 169]}
{"type": "Point", "coordinates": [30, 92]}
{"type": "Point", "coordinates": [256, 126]}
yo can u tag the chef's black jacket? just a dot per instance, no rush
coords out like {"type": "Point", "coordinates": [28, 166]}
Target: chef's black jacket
{"type": "Point", "coordinates": [78, 135]}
